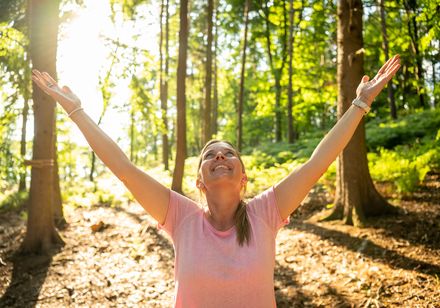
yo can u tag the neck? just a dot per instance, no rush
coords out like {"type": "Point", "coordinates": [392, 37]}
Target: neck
{"type": "Point", "coordinates": [222, 207]}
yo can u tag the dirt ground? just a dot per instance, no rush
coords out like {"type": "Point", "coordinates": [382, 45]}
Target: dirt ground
{"type": "Point", "coordinates": [115, 256]}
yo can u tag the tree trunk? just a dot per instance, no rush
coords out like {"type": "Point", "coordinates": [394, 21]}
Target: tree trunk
{"type": "Point", "coordinates": [390, 89]}
{"type": "Point", "coordinates": [433, 63]}
{"type": "Point", "coordinates": [41, 234]}
{"type": "Point", "coordinates": [290, 130]}
{"type": "Point", "coordinates": [277, 72]}
{"type": "Point", "coordinates": [207, 134]}
{"type": "Point", "coordinates": [132, 137]}
{"type": "Point", "coordinates": [164, 81]}
{"type": "Point", "coordinates": [22, 183]}
{"type": "Point", "coordinates": [243, 69]}
{"type": "Point", "coordinates": [356, 197]}
{"type": "Point", "coordinates": [103, 85]}
{"type": "Point", "coordinates": [181, 99]}
{"type": "Point", "coordinates": [58, 213]}
{"type": "Point", "coordinates": [214, 127]}
{"type": "Point", "coordinates": [410, 8]}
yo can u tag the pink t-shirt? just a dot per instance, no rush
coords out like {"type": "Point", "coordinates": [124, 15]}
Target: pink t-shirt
{"type": "Point", "coordinates": [210, 268]}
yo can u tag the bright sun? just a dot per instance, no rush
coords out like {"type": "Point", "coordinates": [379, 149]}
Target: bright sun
{"type": "Point", "coordinates": [83, 55]}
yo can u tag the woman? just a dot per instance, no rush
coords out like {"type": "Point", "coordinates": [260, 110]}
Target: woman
{"type": "Point", "coordinates": [225, 255]}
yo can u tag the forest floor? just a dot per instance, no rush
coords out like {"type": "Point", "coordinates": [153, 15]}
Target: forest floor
{"type": "Point", "coordinates": [115, 256]}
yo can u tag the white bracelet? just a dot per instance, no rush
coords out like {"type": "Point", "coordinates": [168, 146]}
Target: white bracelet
{"type": "Point", "coordinates": [75, 110]}
{"type": "Point", "coordinates": [357, 102]}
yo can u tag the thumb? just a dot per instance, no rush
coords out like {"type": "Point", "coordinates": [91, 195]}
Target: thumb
{"type": "Point", "coordinates": [66, 89]}
{"type": "Point", "coordinates": [365, 78]}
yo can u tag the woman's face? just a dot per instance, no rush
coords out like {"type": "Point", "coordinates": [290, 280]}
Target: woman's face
{"type": "Point", "coordinates": [220, 166]}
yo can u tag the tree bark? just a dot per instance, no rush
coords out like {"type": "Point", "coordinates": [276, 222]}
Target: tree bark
{"type": "Point", "coordinates": [25, 113]}
{"type": "Point", "coordinates": [58, 213]}
{"type": "Point", "coordinates": [290, 127]}
{"type": "Point", "coordinates": [164, 81]}
{"type": "Point", "coordinates": [207, 134]}
{"type": "Point", "coordinates": [181, 99]}
{"type": "Point", "coordinates": [214, 127]}
{"type": "Point", "coordinates": [390, 89]}
{"type": "Point", "coordinates": [410, 8]}
{"type": "Point", "coordinates": [356, 197]}
{"type": "Point", "coordinates": [242, 77]}
{"type": "Point", "coordinates": [41, 234]}
{"type": "Point", "coordinates": [276, 71]}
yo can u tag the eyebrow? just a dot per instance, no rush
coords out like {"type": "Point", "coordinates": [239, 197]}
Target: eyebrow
{"type": "Point", "coordinates": [227, 149]}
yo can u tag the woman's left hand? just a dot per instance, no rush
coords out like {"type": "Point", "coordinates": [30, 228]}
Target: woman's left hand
{"type": "Point", "coordinates": [369, 89]}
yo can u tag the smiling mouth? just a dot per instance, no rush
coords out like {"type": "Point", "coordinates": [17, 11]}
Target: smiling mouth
{"type": "Point", "coordinates": [219, 167]}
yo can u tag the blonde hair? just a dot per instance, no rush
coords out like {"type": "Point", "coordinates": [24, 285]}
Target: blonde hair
{"type": "Point", "coordinates": [240, 217]}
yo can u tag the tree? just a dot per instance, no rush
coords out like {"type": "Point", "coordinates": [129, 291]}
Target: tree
{"type": "Point", "coordinates": [41, 234]}
{"type": "Point", "coordinates": [277, 71]}
{"type": "Point", "coordinates": [413, 31]}
{"type": "Point", "coordinates": [386, 51]}
{"type": "Point", "coordinates": [247, 5]}
{"type": "Point", "coordinates": [214, 126]}
{"type": "Point", "coordinates": [356, 197]}
{"type": "Point", "coordinates": [163, 79]}
{"type": "Point", "coordinates": [207, 134]}
{"type": "Point", "coordinates": [181, 99]}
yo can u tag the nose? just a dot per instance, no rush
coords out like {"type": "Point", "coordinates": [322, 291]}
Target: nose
{"type": "Point", "coordinates": [219, 156]}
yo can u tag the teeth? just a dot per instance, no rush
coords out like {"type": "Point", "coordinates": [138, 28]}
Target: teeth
{"type": "Point", "coordinates": [221, 166]}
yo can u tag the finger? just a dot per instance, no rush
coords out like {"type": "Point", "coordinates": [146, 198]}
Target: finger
{"type": "Point", "coordinates": [50, 82]}
{"type": "Point", "coordinates": [66, 89]}
{"type": "Point", "coordinates": [49, 78]}
{"type": "Point", "coordinates": [393, 71]}
{"type": "Point", "coordinates": [390, 73]}
{"type": "Point", "coordinates": [392, 65]}
{"type": "Point", "coordinates": [387, 64]}
{"type": "Point", "coordinates": [365, 79]}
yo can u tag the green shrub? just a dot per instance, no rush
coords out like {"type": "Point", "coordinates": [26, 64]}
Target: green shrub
{"type": "Point", "coordinates": [403, 131]}
{"type": "Point", "coordinates": [405, 166]}
{"type": "Point", "coordinates": [13, 200]}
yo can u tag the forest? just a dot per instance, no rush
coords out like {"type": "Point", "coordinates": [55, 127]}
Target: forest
{"type": "Point", "coordinates": [164, 77]}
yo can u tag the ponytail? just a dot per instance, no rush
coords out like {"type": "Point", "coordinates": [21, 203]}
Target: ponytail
{"type": "Point", "coordinates": [242, 224]}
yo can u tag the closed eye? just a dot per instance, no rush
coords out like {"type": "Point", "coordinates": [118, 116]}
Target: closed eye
{"type": "Point", "coordinates": [209, 155]}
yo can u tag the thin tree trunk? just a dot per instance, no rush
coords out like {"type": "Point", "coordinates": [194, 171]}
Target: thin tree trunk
{"type": "Point", "coordinates": [106, 100]}
{"type": "Point", "coordinates": [242, 78]}
{"type": "Point", "coordinates": [391, 100]}
{"type": "Point", "coordinates": [22, 183]}
{"type": "Point", "coordinates": [132, 139]}
{"type": "Point", "coordinates": [277, 72]}
{"type": "Point", "coordinates": [207, 134]}
{"type": "Point", "coordinates": [164, 81]}
{"type": "Point", "coordinates": [58, 213]}
{"type": "Point", "coordinates": [290, 129]}
{"type": "Point", "coordinates": [41, 234]}
{"type": "Point", "coordinates": [214, 127]}
{"type": "Point", "coordinates": [414, 35]}
{"type": "Point", "coordinates": [181, 99]}
{"type": "Point", "coordinates": [433, 63]}
{"type": "Point", "coordinates": [356, 196]}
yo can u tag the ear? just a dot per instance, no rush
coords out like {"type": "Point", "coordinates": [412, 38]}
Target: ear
{"type": "Point", "coordinates": [244, 179]}
{"type": "Point", "coordinates": [200, 185]}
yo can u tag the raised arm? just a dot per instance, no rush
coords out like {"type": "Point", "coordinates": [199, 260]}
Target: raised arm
{"type": "Point", "coordinates": [292, 190]}
{"type": "Point", "coordinates": [152, 195]}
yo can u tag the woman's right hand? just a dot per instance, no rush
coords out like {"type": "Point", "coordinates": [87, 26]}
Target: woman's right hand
{"type": "Point", "coordinates": [67, 99]}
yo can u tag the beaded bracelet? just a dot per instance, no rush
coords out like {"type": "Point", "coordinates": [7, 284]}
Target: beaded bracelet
{"type": "Point", "coordinates": [75, 110]}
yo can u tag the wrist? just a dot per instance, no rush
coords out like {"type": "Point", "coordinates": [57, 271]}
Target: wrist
{"type": "Point", "coordinates": [74, 111]}
{"type": "Point", "coordinates": [359, 103]}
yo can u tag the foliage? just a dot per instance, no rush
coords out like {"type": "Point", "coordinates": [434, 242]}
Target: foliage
{"type": "Point", "coordinates": [406, 130]}
{"type": "Point", "coordinates": [406, 166]}
{"type": "Point", "coordinates": [13, 200]}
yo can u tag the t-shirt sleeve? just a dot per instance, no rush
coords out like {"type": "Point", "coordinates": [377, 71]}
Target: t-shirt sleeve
{"type": "Point", "coordinates": [265, 206]}
{"type": "Point", "coordinates": [179, 207]}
